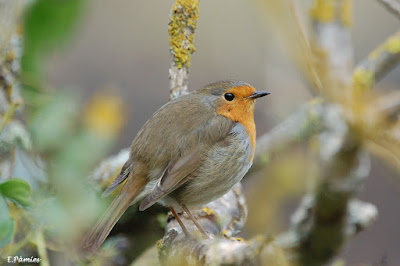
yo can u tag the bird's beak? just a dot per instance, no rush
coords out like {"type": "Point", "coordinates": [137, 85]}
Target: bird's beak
{"type": "Point", "coordinates": [258, 94]}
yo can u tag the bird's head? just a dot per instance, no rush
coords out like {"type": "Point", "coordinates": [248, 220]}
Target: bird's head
{"type": "Point", "coordinates": [233, 99]}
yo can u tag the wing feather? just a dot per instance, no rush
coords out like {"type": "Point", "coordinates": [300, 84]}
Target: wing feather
{"type": "Point", "coordinates": [175, 175]}
{"type": "Point", "coordinates": [123, 174]}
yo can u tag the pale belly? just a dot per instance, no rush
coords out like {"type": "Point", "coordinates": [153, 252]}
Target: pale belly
{"type": "Point", "coordinates": [224, 166]}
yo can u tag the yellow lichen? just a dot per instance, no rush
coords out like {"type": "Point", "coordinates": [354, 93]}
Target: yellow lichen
{"type": "Point", "coordinates": [208, 211]}
{"type": "Point", "coordinates": [393, 45]}
{"type": "Point", "coordinates": [181, 27]}
{"type": "Point", "coordinates": [225, 233]}
{"type": "Point", "coordinates": [376, 52]}
{"type": "Point", "coordinates": [346, 12]}
{"type": "Point", "coordinates": [323, 10]}
{"type": "Point", "coordinates": [160, 245]}
{"type": "Point", "coordinates": [363, 80]}
{"type": "Point", "coordinates": [11, 56]}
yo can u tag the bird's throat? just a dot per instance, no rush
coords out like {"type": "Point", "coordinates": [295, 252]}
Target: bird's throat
{"type": "Point", "coordinates": [241, 112]}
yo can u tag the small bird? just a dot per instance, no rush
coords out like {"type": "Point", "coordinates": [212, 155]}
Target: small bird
{"type": "Point", "coordinates": [192, 151]}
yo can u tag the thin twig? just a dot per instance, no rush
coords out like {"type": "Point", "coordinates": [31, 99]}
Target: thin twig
{"type": "Point", "coordinates": [17, 246]}
{"type": "Point", "coordinates": [392, 6]}
{"type": "Point", "coordinates": [8, 115]}
{"type": "Point", "coordinates": [41, 248]}
{"type": "Point", "coordinates": [378, 63]}
{"type": "Point", "coordinates": [305, 44]}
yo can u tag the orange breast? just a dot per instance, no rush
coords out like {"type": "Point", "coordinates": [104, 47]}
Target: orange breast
{"type": "Point", "coordinates": [241, 110]}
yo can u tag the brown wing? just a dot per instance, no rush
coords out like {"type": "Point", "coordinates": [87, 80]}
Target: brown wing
{"type": "Point", "coordinates": [175, 175]}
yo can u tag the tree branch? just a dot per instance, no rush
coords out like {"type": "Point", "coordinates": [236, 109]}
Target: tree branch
{"type": "Point", "coordinates": [360, 215]}
{"type": "Point", "coordinates": [378, 63]}
{"type": "Point", "coordinates": [224, 216]}
{"type": "Point", "coordinates": [299, 126]}
{"type": "Point", "coordinates": [343, 165]}
{"type": "Point", "coordinates": [182, 24]}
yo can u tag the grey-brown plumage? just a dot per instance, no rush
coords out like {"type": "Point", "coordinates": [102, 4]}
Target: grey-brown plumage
{"type": "Point", "coordinates": [193, 150]}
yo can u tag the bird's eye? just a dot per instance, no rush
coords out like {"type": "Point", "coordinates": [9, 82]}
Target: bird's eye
{"type": "Point", "coordinates": [229, 96]}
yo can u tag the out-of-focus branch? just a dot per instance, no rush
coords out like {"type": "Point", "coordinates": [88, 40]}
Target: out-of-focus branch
{"type": "Point", "coordinates": [360, 215]}
{"type": "Point", "coordinates": [298, 127]}
{"type": "Point", "coordinates": [182, 24]}
{"type": "Point", "coordinates": [391, 5]}
{"type": "Point", "coordinates": [389, 104]}
{"type": "Point", "coordinates": [10, 53]}
{"type": "Point", "coordinates": [12, 133]}
{"type": "Point", "coordinates": [332, 47]}
{"type": "Point", "coordinates": [343, 165]}
{"type": "Point", "coordinates": [8, 115]}
{"type": "Point", "coordinates": [378, 63]}
{"type": "Point", "coordinates": [306, 122]}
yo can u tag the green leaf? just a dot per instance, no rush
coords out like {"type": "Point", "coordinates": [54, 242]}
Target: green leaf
{"type": "Point", "coordinates": [16, 190]}
{"type": "Point", "coordinates": [47, 23]}
{"type": "Point", "coordinates": [6, 224]}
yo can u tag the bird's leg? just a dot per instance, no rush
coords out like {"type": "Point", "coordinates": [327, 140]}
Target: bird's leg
{"type": "Point", "coordinates": [180, 222]}
{"type": "Point", "coordinates": [202, 231]}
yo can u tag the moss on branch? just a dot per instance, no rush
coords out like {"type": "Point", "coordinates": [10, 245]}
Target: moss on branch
{"type": "Point", "coordinates": [182, 25]}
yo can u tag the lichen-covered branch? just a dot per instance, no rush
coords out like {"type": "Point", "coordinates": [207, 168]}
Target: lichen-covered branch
{"type": "Point", "coordinates": [223, 218]}
{"type": "Point", "coordinates": [12, 133]}
{"type": "Point", "coordinates": [182, 24]}
{"type": "Point", "coordinates": [378, 63]}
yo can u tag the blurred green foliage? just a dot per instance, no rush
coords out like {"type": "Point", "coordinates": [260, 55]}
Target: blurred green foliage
{"type": "Point", "coordinates": [53, 121]}
{"type": "Point", "coordinates": [47, 26]}
{"type": "Point", "coordinates": [52, 211]}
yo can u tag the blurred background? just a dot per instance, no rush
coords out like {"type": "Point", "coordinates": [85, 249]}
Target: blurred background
{"type": "Point", "coordinates": [122, 46]}
{"type": "Point", "coordinates": [119, 50]}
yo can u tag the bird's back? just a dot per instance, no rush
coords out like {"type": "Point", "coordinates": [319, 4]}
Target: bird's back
{"type": "Point", "coordinates": [176, 128]}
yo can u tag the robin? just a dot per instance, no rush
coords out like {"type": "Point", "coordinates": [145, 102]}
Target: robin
{"type": "Point", "coordinates": [192, 151]}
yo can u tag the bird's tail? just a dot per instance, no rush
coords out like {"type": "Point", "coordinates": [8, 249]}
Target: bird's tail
{"type": "Point", "coordinates": [99, 233]}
